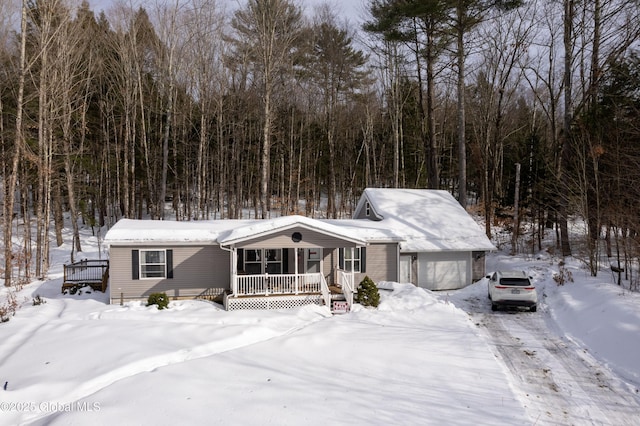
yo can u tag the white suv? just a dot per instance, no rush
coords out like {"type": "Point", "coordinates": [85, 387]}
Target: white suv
{"type": "Point", "coordinates": [512, 288]}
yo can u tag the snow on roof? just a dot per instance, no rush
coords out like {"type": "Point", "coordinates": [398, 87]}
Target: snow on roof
{"type": "Point", "coordinates": [141, 231]}
{"type": "Point", "coordinates": [368, 230]}
{"type": "Point", "coordinates": [267, 226]}
{"type": "Point", "coordinates": [420, 220]}
{"type": "Point", "coordinates": [225, 231]}
{"type": "Point", "coordinates": [426, 219]}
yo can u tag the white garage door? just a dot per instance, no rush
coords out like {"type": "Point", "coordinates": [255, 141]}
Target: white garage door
{"type": "Point", "coordinates": [444, 271]}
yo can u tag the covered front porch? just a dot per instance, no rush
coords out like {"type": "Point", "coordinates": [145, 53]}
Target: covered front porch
{"type": "Point", "coordinates": [293, 262]}
{"type": "Point", "coordinates": [281, 291]}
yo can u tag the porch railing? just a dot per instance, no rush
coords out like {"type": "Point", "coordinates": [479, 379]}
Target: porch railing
{"type": "Point", "coordinates": [265, 284]}
{"type": "Point", "coordinates": [91, 272]}
{"type": "Point", "coordinates": [345, 280]}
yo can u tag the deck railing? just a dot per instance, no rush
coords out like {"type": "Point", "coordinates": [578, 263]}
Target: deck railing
{"type": "Point", "coordinates": [265, 284]}
{"type": "Point", "coordinates": [92, 272]}
{"type": "Point", "coordinates": [345, 280]}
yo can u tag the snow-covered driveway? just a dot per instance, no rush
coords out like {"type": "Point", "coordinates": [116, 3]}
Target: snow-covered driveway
{"type": "Point", "coordinates": [556, 379]}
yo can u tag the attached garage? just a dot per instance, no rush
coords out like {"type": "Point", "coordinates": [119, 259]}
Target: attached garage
{"type": "Point", "coordinates": [444, 270]}
{"type": "Point", "coordinates": [441, 247]}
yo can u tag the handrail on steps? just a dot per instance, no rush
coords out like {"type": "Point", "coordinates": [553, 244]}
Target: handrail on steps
{"type": "Point", "coordinates": [345, 280]}
{"type": "Point", "coordinates": [326, 294]}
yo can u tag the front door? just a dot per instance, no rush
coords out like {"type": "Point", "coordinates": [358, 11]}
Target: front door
{"type": "Point", "coordinates": [313, 260]}
{"type": "Point", "coordinates": [405, 269]}
{"type": "Point", "coordinates": [260, 261]}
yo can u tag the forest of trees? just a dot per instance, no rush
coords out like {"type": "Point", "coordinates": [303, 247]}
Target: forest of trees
{"type": "Point", "coordinates": [207, 109]}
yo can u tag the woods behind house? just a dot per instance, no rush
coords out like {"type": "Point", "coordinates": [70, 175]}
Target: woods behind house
{"type": "Point", "coordinates": [197, 110]}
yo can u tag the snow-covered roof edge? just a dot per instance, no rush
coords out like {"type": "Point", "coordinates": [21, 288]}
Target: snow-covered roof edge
{"type": "Point", "coordinates": [141, 231]}
{"type": "Point", "coordinates": [268, 226]}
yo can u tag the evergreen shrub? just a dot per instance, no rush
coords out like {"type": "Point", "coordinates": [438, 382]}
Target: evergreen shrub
{"type": "Point", "coordinates": [368, 294]}
{"type": "Point", "coordinates": [159, 299]}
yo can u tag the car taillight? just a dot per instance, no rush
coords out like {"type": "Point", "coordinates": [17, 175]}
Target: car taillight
{"type": "Point", "coordinates": [501, 286]}
{"type": "Point", "coordinates": [529, 288]}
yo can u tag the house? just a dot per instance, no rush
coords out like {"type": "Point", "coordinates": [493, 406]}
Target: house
{"type": "Point", "coordinates": [419, 236]}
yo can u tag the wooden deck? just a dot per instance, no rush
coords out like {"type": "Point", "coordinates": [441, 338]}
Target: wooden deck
{"type": "Point", "coordinates": [87, 272]}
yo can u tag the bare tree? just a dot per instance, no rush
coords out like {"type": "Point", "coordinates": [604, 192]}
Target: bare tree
{"type": "Point", "coordinates": [336, 68]}
{"type": "Point", "coordinates": [171, 41]}
{"type": "Point", "coordinates": [506, 38]}
{"type": "Point", "coordinates": [205, 51]}
{"type": "Point", "coordinates": [268, 31]}
{"type": "Point", "coordinates": [11, 179]}
{"type": "Point", "coordinates": [421, 27]}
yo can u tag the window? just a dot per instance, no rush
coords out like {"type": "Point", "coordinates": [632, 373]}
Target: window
{"type": "Point", "coordinates": [152, 264]}
{"type": "Point", "coordinates": [260, 261]}
{"type": "Point", "coordinates": [367, 209]}
{"type": "Point", "coordinates": [274, 261]}
{"type": "Point", "coordinates": [353, 258]}
{"type": "Point", "coordinates": [253, 261]}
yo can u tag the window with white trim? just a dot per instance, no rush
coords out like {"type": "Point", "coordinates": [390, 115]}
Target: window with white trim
{"type": "Point", "coordinates": [352, 258]}
{"type": "Point", "coordinates": [153, 264]}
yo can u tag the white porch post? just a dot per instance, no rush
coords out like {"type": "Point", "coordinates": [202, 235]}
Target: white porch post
{"type": "Point", "coordinates": [234, 271]}
{"type": "Point", "coordinates": [353, 262]}
{"type": "Point", "coordinates": [295, 262]}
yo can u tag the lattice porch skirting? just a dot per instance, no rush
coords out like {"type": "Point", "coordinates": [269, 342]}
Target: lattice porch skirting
{"type": "Point", "coordinates": [271, 302]}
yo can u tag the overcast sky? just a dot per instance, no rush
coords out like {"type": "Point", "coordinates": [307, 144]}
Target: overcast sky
{"type": "Point", "coordinates": [350, 9]}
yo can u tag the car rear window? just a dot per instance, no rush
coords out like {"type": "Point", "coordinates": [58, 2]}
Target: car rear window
{"type": "Point", "coordinates": [523, 282]}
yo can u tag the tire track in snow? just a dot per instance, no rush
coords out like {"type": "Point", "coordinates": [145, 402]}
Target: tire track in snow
{"type": "Point", "coordinates": [606, 398]}
{"type": "Point", "coordinates": [558, 384]}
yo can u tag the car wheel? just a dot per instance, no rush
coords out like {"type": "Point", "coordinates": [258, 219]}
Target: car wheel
{"type": "Point", "coordinates": [533, 308]}
{"type": "Point", "coordinates": [494, 307]}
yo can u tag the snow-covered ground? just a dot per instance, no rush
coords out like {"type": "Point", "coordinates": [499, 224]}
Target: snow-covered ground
{"type": "Point", "coordinates": [420, 358]}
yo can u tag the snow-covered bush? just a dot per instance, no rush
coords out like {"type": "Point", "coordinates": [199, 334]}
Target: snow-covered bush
{"type": "Point", "coordinates": [367, 294]}
{"type": "Point", "coordinates": [159, 299]}
{"type": "Point", "coordinates": [9, 307]}
{"type": "Point", "coordinates": [563, 275]}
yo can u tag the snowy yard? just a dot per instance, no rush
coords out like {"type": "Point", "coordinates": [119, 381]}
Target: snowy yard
{"type": "Point", "coordinates": [420, 358]}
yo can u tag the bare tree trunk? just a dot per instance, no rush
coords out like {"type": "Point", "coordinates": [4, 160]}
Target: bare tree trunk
{"type": "Point", "coordinates": [45, 89]}
{"type": "Point", "coordinates": [165, 150]}
{"type": "Point", "coordinates": [432, 154]}
{"type": "Point", "coordinates": [516, 213]}
{"type": "Point", "coordinates": [57, 212]}
{"type": "Point", "coordinates": [332, 190]}
{"type": "Point", "coordinates": [563, 205]}
{"type": "Point", "coordinates": [10, 183]}
{"type": "Point", "coordinates": [170, 39]}
{"type": "Point", "coordinates": [462, 146]}
{"type": "Point", "coordinates": [265, 159]}
{"type": "Point", "coordinates": [151, 188]}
